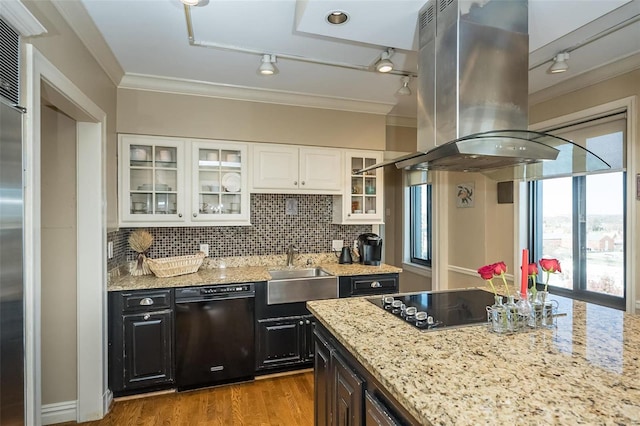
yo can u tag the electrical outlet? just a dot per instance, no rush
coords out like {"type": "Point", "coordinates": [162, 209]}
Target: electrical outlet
{"type": "Point", "coordinates": [110, 250]}
{"type": "Point", "coordinates": [336, 245]}
{"type": "Point", "coordinates": [205, 249]}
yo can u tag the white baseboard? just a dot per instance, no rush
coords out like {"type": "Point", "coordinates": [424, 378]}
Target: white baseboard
{"type": "Point", "coordinates": [59, 412]}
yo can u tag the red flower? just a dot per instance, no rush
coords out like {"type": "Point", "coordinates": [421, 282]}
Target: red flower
{"type": "Point", "coordinates": [532, 269]}
{"type": "Point", "coordinates": [550, 265]}
{"type": "Point", "coordinates": [499, 268]}
{"type": "Point", "coordinates": [486, 272]}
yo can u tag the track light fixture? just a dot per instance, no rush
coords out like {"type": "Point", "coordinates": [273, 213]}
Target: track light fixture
{"type": "Point", "coordinates": [559, 63]}
{"type": "Point", "coordinates": [267, 67]}
{"type": "Point", "coordinates": [190, 2]}
{"type": "Point", "coordinates": [404, 90]}
{"type": "Point", "coordinates": [384, 64]}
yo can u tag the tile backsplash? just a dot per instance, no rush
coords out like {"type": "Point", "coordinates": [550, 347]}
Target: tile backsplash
{"type": "Point", "coordinates": [271, 231]}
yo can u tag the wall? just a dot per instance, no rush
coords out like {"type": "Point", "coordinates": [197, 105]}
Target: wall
{"type": "Point", "coordinates": [623, 86]}
{"type": "Point", "coordinates": [271, 231]}
{"type": "Point", "coordinates": [480, 234]}
{"type": "Point", "coordinates": [66, 52]}
{"type": "Point", "coordinates": [166, 114]}
{"type": "Point", "coordinates": [58, 284]}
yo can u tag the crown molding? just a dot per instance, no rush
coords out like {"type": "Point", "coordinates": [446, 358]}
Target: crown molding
{"type": "Point", "coordinates": [589, 78]}
{"type": "Point", "coordinates": [21, 19]}
{"type": "Point", "coordinates": [76, 15]}
{"type": "Point", "coordinates": [199, 88]}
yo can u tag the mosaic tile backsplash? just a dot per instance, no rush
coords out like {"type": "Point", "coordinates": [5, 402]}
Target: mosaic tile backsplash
{"type": "Point", "coordinates": [271, 231]}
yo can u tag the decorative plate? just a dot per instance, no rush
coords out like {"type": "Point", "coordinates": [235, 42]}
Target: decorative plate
{"type": "Point", "coordinates": [231, 182]}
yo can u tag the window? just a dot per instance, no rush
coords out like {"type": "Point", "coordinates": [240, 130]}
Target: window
{"type": "Point", "coordinates": [580, 219]}
{"type": "Point", "coordinates": [420, 220]}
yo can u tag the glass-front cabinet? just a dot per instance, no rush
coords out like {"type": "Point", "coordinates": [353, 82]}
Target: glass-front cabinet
{"type": "Point", "coordinates": [219, 182]}
{"type": "Point", "coordinates": [151, 179]}
{"type": "Point", "coordinates": [362, 201]}
{"type": "Point", "coordinates": [175, 182]}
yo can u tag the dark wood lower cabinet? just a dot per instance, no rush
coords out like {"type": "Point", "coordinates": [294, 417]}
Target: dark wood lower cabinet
{"type": "Point", "coordinates": [376, 414]}
{"type": "Point", "coordinates": [284, 342]}
{"type": "Point", "coordinates": [141, 356]}
{"type": "Point", "coordinates": [346, 394]}
{"type": "Point", "coordinates": [347, 398]}
{"type": "Point", "coordinates": [148, 350]}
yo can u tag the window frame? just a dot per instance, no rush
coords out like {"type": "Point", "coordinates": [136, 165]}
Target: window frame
{"type": "Point", "coordinates": [413, 213]}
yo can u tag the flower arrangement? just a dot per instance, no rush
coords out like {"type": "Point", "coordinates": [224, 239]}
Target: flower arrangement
{"type": "Point", "coordinates": [549, 266]}
{"type": "Point", "coordinates": [487, 273]}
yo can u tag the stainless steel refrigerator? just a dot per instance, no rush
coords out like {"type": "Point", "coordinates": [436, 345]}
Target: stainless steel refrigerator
{"type": "Point", "coordinates": [11, 267]}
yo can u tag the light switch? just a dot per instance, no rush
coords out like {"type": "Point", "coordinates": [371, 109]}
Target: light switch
{"type": "Point", "coordinates": [205, 249]}
{"type": "Point", "coordinates": [336, 245]}
{"type": "Point", "coordinates": [110, 250]}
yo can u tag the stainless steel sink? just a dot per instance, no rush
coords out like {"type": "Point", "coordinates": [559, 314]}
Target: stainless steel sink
{"type": "Point", "coordinates": [300, 285]}
{"type": "Point", "coordinates": [283, 274]}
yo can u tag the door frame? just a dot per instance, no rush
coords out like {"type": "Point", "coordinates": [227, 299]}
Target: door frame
{"type": "Point", "coordinates": [93, 395]}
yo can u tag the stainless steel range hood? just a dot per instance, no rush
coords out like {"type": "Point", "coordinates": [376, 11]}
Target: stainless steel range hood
{"type": "Point", "coordinates": [473, 96]}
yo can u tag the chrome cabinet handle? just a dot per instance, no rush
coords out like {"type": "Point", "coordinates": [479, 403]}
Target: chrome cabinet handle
{"type": "Point", "coordinates": [195, 215]}
{"type": "Point", "coordinates": [303, 182]}
{"type": "Point", "coordinates": [295, 183]}
{"type": "Point", "coordinates": [179, 214]}
{"type": "Point", "coordinates": [147, 301]}
{"type": "Point", "coordinates": [376, 284]}
{"type": "Point", "coordinates": [308, 322]}
{"type": "Point", "coordinates": [301, 322]}
{"type": "Point", "coordinates": [146, 316]}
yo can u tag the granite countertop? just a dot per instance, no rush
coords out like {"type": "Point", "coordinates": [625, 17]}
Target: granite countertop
{"type": "Point", "coordinates": [584, 371]}
{"type": "Point", "coordinates": [235, 274]}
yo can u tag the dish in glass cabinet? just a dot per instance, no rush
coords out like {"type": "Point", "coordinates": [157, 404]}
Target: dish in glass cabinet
{"type": "Point", "coordinates": [231, 182]}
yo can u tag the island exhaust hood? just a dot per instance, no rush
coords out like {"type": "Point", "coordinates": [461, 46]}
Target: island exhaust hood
{"type": "Point", "coordinates": [473, 96]}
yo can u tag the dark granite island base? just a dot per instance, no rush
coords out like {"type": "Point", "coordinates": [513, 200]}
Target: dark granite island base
{"type": "Point", "coordinates": [584, 371]}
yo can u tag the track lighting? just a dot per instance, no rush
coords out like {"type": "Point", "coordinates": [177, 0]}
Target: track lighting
{"type": "Point", "coordinates": [267, 67]}
{"type": "Point", "coordinates": [190, 2]}
{"type": "Point", "coordinates": [404, 90]}
{"type": "Point", "coordinates": [384, 64]}
{"type": "Point", "coordinates": [559, 63]}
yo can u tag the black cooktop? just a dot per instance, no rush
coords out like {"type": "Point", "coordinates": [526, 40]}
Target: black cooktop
{"type": "Point", "coordinates": [437, 310]}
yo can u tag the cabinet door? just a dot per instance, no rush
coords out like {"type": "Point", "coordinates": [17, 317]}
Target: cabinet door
{"type": "Point", "coordinates": [347, 398]}
{"type": "Point", "coordinates": [148, 349]}
{"type": "Point", "coordinates": [220, 191]}
{"type": "Point", "coordinates": [321, 169]}
{"type": "Point", "coordinates": [308, 344]}
{"type": "Point", "coordinates": [275, 167]}
{"type": "Point", "coordinates": [279, 342]}
{"type": "Point", "coordinates": [365, 201]}
{"type": "Point", "coordinates": [376, 414]}
{"type": "Point", "coordinates": [151, 183]}
{"type": "Point", "coordinates": [322, 382]}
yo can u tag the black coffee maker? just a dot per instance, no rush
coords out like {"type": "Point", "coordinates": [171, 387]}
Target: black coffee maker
{"type": "Point", "coordinates": [370, 249]}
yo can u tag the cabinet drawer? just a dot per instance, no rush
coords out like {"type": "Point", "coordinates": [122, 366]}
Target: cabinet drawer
{"type": "Point", "coordinates": [147, 300]}
{"type": "Point", "coordinates": [372, 284]}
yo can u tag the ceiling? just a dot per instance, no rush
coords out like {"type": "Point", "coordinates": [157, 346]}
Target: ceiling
{"type": "Point", "coordinates": [150, 38]}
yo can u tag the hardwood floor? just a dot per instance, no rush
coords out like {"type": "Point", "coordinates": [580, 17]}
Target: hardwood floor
{"type": "Point", "coordinates": [279, 401]}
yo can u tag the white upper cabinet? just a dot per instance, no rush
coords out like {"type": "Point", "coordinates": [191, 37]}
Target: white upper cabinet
{"type": "Point", "coordinates": [362, 201]}
{"type": "Point", "coordinates": [182, 182]}
{"type": "Point", "coordinates": [151, 180]}
{"type": "Point", "coordinates": [293, 169]}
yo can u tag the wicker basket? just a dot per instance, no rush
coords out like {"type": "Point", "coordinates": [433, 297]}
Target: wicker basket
{"type": "Point", "coordinates": [174, 266]}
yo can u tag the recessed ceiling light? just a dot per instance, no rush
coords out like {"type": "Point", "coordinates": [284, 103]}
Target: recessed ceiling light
{"type": "Point", "coordinates": [337, 17]}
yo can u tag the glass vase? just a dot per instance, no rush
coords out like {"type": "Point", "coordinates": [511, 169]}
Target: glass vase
{"type": "Point", "coordinates": [511, 310]}
{"type": "Point", "coordinates": [524, 309]}
{"type": "Point", "coordinates": [498, 316]}
{"type": "Point", "coordinates": [537, 304]}
{"type": "Point", "coordinates": [549, 309]}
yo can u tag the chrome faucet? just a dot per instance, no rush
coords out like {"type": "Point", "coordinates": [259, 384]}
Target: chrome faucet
{"type": "Point", "coordinates": [291, 251]}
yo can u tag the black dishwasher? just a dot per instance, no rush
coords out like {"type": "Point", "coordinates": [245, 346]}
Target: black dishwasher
{"type": "Point", "coordinates": [215, 335]}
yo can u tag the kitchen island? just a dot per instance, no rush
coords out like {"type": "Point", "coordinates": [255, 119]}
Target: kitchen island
{"type": "Point", "coordinates": [584, 371]}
